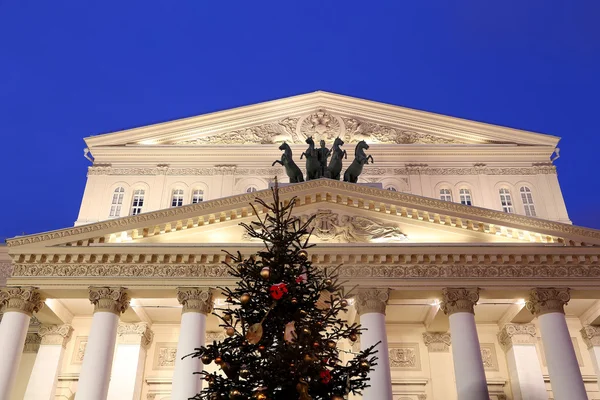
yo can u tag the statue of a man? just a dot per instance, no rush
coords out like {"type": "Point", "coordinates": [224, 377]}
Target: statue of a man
{"type": "Point", "coordinates": [322, 155]}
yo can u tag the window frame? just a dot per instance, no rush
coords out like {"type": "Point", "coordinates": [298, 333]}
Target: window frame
{"type": "Point", "coordinates": [137, 201]}
{"type": "Point", "coordinates": [194, 193]}
{"type": "Point", "coordinates": [177, 196]}
{"type": "Point", "coordinates": [466, 198]}
{"type": "Point", "coordinates": [116, 204]}
{"type": "Point", "coordinates": [526, 195]}
{"type": "Point", "coordinates": [445, 194]}
{"type": "Point", "coordinates": [506, 201]}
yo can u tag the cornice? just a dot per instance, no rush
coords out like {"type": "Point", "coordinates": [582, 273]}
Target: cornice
{"type": "Point", "coordinates": [238, 118]}
{"type": "Point", "coordinates": [322, 190]}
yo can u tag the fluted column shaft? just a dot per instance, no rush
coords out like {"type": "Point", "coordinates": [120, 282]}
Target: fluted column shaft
{"type": "Point", "coordinates": [109, 303]}
{"type": "Point", "coordinates": [526, 378]}
{"type": "Point", "coordinates": [18, 305]}
{"type": "Point", "coordinates": [44, 376]}
{"type": "Point", "coordinates": [370, 305]}
{"type": "Point", "coordinates": [197, 303]}
{"type": "Point", "coordinates": [458, 303]}
{"type": "Point", "coordinates": [591, 337]}
{"type": "Point", "coordinates": [547, 304]}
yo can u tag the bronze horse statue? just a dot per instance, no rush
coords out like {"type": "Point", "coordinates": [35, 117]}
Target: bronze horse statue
{"type": "Point", "coordinates": [360, 159]}
{"type": "Point", "coordinates": [313, 166]}
{"type": "Point", "coordinates": [334, 169]}
{"type": "Point", "coordinates": [291, 169]}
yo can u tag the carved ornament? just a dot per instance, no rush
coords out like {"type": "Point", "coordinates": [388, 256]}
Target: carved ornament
{"type": "Point", "coordinates": [405, 356]}
{"type": "Point", "coordinates": [371, 300]}
{"type": "Point", "coordinates": [55, 334]}
{"type": "Point", "coordinates": [135, 333]}
{"type": "Point", "coordinates": [195, 299]}
{"type": "Point", "coordinates": [455, 300]}
{"type": "Point", "coordinates": [32, 343]}
{"type": "Point", "coordinates": [214, 336]}
{"type": "Point", "coordinates": [109, 299]}
{"type": "Point", "coordinates": [26, 300]}
{"type": "Point", "coordinates": [591, 335]}
{"type": "Point", "coordinates": [512, 334]}
{"type": "Point", "coordinates": [548, 300]}
{"type": "Point", "coordinates": [488, 356]}
{"type": "Point", "coordinates": [371, 132]}
{"type": "Point", "coordinates": [5, 272]}
{"type": "Point", "coordinates": [437, 342]}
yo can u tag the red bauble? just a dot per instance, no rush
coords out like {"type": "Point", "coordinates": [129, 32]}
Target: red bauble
{"type": "Point", "coordinates": [278, 290]}
{"type": "Point", "coordinates": [325, 376]}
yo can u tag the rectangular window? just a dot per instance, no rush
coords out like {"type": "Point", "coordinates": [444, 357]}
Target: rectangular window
{"type": "Point", "coordinates": [138, 202]}
{"type": "Point", "coordinates": [177, 199]}
{"type": "Point", "coordinates": [197, 196]}
{"type": "Point", "coordinates": [465, 197]}
{"type": "Point", "coordinates": [506, 201]}
{"type": "Point", "coordinates": [445, 195]}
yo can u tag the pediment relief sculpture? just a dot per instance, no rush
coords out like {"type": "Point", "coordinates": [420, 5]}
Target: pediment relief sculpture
{"type": "Point", "coordinates": [339, 228]}
{"type": "Point", "coordinates": [320, 125]}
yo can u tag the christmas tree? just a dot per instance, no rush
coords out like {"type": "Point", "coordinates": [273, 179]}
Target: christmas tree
{"type": "Point", "coordinates": [282, 322]}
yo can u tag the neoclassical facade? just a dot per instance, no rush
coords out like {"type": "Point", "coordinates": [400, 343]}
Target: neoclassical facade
{"type": "Point", "coordinates": [469, 269]}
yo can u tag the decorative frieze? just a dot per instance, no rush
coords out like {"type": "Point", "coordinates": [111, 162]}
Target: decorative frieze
{"type": "Point", "coordinates": [404, 356]}
{"type": "Point", "coordinates": [135, 333]}
{"type": "Point", "coordinates": [548, 300]}
{"type": "Point", "coordinates": [437, 342]}
{"type": "Point", "coordinates": [371, 300]}
{"type": "Point", "coordinates": [591, 335]}
{"type": "Point", "coordinates": [26, 300]}
{"type": "Point", "coordinates": [55, 334]}
{"type": "Point", "coordinates": [195, 299]}
{"type": "Point", "coordinates": [488, 356]}
{"type": "Point", "coordinates": [455, 300]}
{"type": "Point", "coordinates": [32, 343]}
{"type": "Point", "coordinates": [164, 356]}
{"type": "Point", "coordinates": [79, 349]}
{"type": "Point", "coordinates": [109, 299]}
{"type": "Point", "coordinates": [512, 334]}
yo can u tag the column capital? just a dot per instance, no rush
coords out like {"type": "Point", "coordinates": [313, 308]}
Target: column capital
{"type": "Point", "coordinates": [455, 300]}
{"type": "Point", "coordinates": [109, 299]}
{"type": "Point", "coordinates": [371, 300]}
{"type": "Point", "coordinates": [512, 334]}
{"type": "Point", "coordinates": [195, 299]}
{"type": "Point", "coordinates": [548, 300]}
{"type": "Point", "coordinates": [591, 335]}
{"type": "Point", "coordinates": [32, 342]}
{"type": "Point", "coordinates": [55, 334]}
{"type": "Point", "coordinates": [23, 299]}
{"type": "Point", "coordinates": [437, 342]}
{"type": "Point", "coordinates": [135, 333]}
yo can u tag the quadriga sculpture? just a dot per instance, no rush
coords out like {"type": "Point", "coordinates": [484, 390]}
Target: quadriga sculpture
{"type": "Point", "coordinates": [360, 159]}
{"type": "Point", "coordinates": [291, 169]}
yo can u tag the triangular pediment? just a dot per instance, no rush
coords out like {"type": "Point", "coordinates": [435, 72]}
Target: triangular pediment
{"type": "Point", "coordinates": [320, 115]}
{"type": "Point", "coordinates": [346, 214]}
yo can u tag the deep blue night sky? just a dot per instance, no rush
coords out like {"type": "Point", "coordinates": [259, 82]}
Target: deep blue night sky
{"type": "Point", "coordinates": [70, 69]}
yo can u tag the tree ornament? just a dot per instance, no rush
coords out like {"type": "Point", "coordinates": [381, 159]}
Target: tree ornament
{"type": "Point", "coordinates": [336, 397]}
{"type": "Point", "coordinates": [303, 254]}
{"type": "Point", "coordinates": [259, 396]}
{"type": "Point", "coordinates": [235, 394]}
{"type": "Point", "coordinates": [325, 376]}
{"type": "Point", "coordinates": [254, 333]}
{"type": "Point", "coordinates": [289, 335]}
{"type": "Point", "coordinates": [278, 290]}
{"type": "Point", "coordinates": [302, 388]}
{"type": "Point", "coordinates": [229, 331]}
{"type": "Point", "coordinates": [353, 337]}
{"type": "Point", "coordinates": [261, 348]}
{"type": "Point", "coordinates": [206, 359]}
{"type": "Point", "coordinates": [305, 331]}
{"type": "Point", "coordinates": [245, 298]}
{"type": "Point", "coordinates": [323, 298]}
{"type": "Point", "coordinates": [244, 372]}
{"type": "Point", "coordinates": [218, 360]}
{"type": "Point", "coordinates": [227, 318]}
{"type": "Point", "coordinates": [316, 345]}
{"type": "Point", "coordinates": [328, 282]}
{"type": "Point", "coordinates": [331, 344]}
{"type": "Point", "coordinates": [308, 358]}
{"type": "Point", "coordinates": [294, 301]}
{"type": "Point", "coordinates": [364, 365]}
{"type": "Point", "coordinates": [229, 299]}
{"type": "Point", "coordinates": [344, 303]}
{"type": "Point", "coordinates": [265, 273]}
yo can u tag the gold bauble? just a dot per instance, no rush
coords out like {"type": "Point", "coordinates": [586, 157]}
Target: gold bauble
{"type": "Point", "coordinates": [245, 298]}
{"type": "Point", "coordinates": [244, 372]}
{"type": "Point", "coordinates": [259, 396]}
{"type": "Point", "coordinates": [294, 301]}
{"type": "Point", "coordinates": [328, 282]}
{"type": "Point", "coordinates": [235, 394]}
{"type": "Point", "coordinates": [206, 359]}
{"type": "Point", "coordinates": [344, 303]}
{"type": "Point", "coordinates": [353, 337]}
{"type": "Point", "coordinates": [331, 344]}
{"type": "Point", "coordinates": [265, 273]}
{"type": "Point", "coordinates": [335, 397]}
{"type": "Point", "coordinates": [227, 317]}
{"type": "Point", "coordinates": [230, 331]}
{"type": "Point", "coordinates": [303, 254]}
{"type": "Point", "coordinates": [365, 365]}
{"type": "Point", "coordinates": [305, 331]}
{"type": "Point", "coordinates": [308, 358]}
{"type": "Point", "coordinates": [218, 360]}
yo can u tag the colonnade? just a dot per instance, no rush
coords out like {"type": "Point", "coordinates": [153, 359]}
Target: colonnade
{"type": "Point", "coordinates": [131, 341]}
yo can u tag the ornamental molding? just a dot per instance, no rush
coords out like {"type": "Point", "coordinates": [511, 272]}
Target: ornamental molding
{"type": "Point", "coordinates": [488, 356]}
{"type": "Point", "coordinates": [548, 300]}
{"type": "Point", "coordinates": [109, 299]}
{"type": "Point", "coordinates": [591, 335]}
{"type": "Point", "coordinates": [79, 349]}
{"type": "Point", "coordinates": [196, 299]}
{"type": "Point", "coordinates": [367, 171]}
{"type": "Point", "coordinates": [5, 271]}
{"type": "Point", "coordinates": [165, 356]}
{"type": "Point", "coordinates": [26, 300]}
{"type": "Point", "coordinates": [456, 300]}
{"type": "Point", "coordinates": [358, 271]}
{"type": "Point", "coordinates": [135, 333]}
{"type": "Point", "coordinates": [437, 342]}
{"type": "Point", "coordinates": [404, 356]}
{"type": "Point", "coordinates": [32, 343]}
{"type": "Point", "coordinates": [371, 300]}
{"type": "Point", "coordinates": [214, 336]}
{"type": "Point", "coordinates": [517, 334]}
{"type": "Point", "coordinates": [55, 334]}
{"type": "Point", "coordinates": [427, 206]}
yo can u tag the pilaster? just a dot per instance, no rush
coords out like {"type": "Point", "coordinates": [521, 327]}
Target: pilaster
{"type": "Point", "coordinates": [55, 334]}
{"type": "Point", "coordinates": [437, 342]}
{"type": "Point", "coordinates": [135, 333]}
{"type": "Point", "coordinates": [512, 334]}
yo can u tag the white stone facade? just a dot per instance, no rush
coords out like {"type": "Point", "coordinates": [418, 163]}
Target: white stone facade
{"type": "Point", "coordinates": [471, 301]}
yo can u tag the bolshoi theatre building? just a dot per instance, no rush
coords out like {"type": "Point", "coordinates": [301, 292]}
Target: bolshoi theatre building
{"type": "Point", "coordinates": [457, 235]}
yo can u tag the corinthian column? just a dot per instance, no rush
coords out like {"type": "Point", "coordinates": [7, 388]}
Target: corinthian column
{"type": "Point", "coordinates": [458, 304]}
{"type": "Point", "coordinates": [109, 303]}
{"type": "Point", "coordinates": [591, 337]}
{"type": "Point", "coordinates": [370, 305]}
{"type": "Point", "coordinates": [44, 376]}
{"type": "Point", "coordinates": [197, 303]}
{"type": "Point", "coordinates": [526, 378]}
{"type": "Point", "coordinates": [128, 370]}
{"type": "Point", "coordinates": [18, 305]}
{"type": "Point", "coordinates": [547, 304]}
